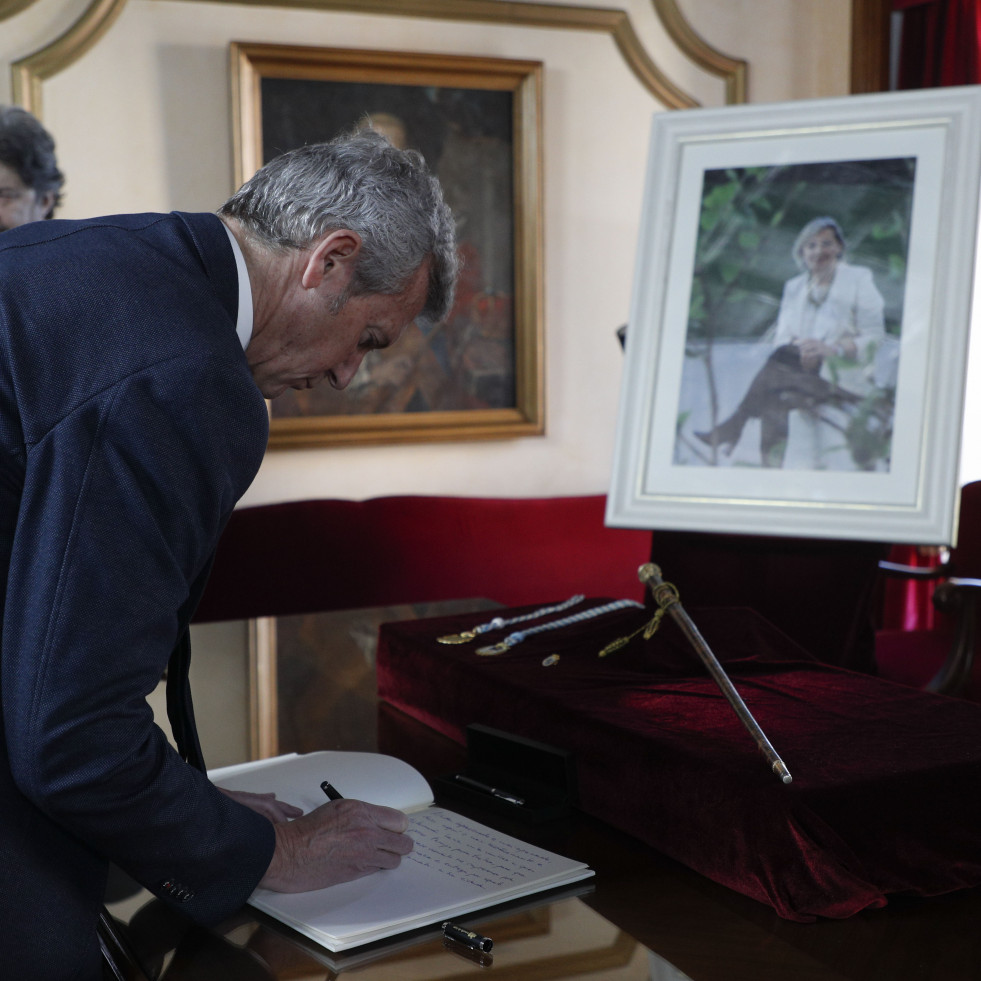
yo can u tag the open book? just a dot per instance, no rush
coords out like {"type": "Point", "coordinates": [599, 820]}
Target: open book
{"type": "Point", "coordinates": [457, 866]}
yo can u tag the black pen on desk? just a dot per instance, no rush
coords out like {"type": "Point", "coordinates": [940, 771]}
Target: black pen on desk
{"type": "Point", "coordinates": [331, 791]}
{"type": "Point", "coordinates": [468, 938]}
{"type": "Point", "coordinates": [487, 789]}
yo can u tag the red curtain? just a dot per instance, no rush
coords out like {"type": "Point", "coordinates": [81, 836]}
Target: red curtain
{"type": "Point", "coordinates": [940, 44]}
{"type": "Point", "coordinates": [908, 603]}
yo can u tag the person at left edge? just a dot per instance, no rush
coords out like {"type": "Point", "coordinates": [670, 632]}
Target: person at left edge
{"type": "Point", "coordinates": [30, 181]}
{"type": "Point", "coordinates": [131, 421]}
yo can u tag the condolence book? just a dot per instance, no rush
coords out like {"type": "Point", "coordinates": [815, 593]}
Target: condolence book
{"type": "Point", "coordinates": [457, 866]}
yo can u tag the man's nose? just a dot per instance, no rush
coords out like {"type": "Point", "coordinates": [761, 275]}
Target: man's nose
{"type": "Point", "coordinates": [340, 377]}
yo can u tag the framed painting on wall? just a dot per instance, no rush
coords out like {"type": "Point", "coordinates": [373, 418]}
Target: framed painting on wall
{"type": "Point", "coordinates": [797, 344]}
{"type": "Point", "coordinates": [477, 123]}
{"type": "Point", "coordinates": [321, 668]}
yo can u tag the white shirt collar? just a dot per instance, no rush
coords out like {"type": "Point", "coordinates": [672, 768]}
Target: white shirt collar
{"type": "Point", "coordinates": [243, 326]}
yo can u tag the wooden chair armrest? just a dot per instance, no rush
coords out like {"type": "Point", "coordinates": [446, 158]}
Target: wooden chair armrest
{"type": "Point", "coordinates": [923, 572]}
{"type": "Point", "coordinates": [965, 583]}
{"type": "Point", "coordinates": [957, 596]}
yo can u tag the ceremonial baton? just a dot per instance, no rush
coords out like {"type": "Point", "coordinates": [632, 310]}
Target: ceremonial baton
{"type": "Point", "coordinates": [666, 597]}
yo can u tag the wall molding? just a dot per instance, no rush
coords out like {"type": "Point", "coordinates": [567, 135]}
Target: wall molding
{"type": "Point", "coordinates": [30, 72]}
{"type": "Point", "coordinates": [733, 71]}
{"type": "Point", "coordinates": [10, 7]}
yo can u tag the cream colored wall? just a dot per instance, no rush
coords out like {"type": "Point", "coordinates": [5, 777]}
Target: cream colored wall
{"type": "Point", "coordinates": [143, 123]}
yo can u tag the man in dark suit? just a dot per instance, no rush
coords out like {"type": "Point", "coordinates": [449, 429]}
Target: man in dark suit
{"type": "Point", "coordinates": [136, 354]}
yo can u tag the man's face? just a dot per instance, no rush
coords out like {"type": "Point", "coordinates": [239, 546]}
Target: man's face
{"type": "Point", "coordinates": [20, 204]}
{"type": "Point", "coordinates": [327, 334]}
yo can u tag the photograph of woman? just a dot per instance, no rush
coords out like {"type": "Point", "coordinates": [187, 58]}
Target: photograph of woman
{"type": "Point", "coordinates": [812, 388]}
{"type": "Point", "coordinates": [830, 315]}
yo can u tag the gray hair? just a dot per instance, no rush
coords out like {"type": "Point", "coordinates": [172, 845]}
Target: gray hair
{"type": "Point", "coordinates": [362, 183]}
{"type": "Point", "coordinates": [811, 229]}
{"type": "Point", "coordinates": [27, 148]}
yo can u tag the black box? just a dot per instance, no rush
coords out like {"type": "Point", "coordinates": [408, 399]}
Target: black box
{"type": "Point", "coordinates": [503, 769]}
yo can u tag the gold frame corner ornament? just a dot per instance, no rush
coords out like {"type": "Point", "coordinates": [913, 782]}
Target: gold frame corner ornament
{"type": "Point", "coordinates": [10, 7]}
{"type": "Point", "coordinates": [263, 707]}
{"type": "Point", "coordinates": [28, 73]}
{"type": "Point", "coordinates": [732, 71]}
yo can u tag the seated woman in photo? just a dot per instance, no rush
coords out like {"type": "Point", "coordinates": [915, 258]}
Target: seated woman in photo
{"type": "Point", "coordinates": [829, 323]}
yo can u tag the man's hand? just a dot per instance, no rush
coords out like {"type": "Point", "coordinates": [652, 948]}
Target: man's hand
{"type": "Point", "coordinates": [278, 811]}
{"type": "Point", "coordinates": [339, 841]}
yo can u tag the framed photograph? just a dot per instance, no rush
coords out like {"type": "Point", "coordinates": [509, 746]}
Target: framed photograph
{"type": "Point", "coordinates": [797, 343]}
{"type": "Point", "coordinates": [477, 122]}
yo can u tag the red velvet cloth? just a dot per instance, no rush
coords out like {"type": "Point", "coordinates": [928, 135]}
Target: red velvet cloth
{"type": "Point", "coordinates": [884, 796]}
{"type": "Point", "coordinates": [907, 604]}
{"type": "Point", "coordinates": [824, 594]}
{"type": "Point", "coordinates": [307, 556]}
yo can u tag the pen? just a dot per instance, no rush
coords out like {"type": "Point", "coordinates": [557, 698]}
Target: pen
{"type": "Point", "coordinates": [466, 937]}
{"type": "Point", "coordinates": [493, 791]}
{"type": "Point", "coordinates": [331, 791]}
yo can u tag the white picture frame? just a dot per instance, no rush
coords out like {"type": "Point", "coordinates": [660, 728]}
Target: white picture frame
{"type": "Point", "coordinates": [882, 413]}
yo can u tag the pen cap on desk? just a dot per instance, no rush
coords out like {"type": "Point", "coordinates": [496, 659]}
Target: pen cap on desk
{"type": "Point", "coordinates": [461, 935]}
{"type": "Point", "coordinates": [542, 776]}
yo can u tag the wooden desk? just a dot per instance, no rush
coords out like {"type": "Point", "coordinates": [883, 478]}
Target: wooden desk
{"type": "Point", "coordinates": [644, 916]}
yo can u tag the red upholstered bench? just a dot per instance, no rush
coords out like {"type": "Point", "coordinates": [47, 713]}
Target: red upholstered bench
{"type": "Point", "coordinates": [307, 556]}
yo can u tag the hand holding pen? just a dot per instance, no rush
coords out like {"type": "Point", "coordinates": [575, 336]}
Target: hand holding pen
{"type": "Point", "coordinates": [335, 844]}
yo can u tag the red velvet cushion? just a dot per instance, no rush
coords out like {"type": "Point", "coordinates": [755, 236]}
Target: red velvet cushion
{"type": "Point", "coordinates": [884, 796]}
{"type": "Point", "coordinates": [823, 594]}
{"type": "Point", "coordinates": [306, 556]}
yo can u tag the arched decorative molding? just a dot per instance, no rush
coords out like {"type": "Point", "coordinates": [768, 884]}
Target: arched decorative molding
{"type": "Point", "coordinates": [28, 73]}
{"type": "Point", "coordinates": [731, 70]}
{"type": "Point", "coordinates": [10, 7]}
{"type": "Point", "coordinates": [605, 20]}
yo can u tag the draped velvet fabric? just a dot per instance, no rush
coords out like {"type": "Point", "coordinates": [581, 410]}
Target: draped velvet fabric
{"type": "Point", "coordinates": [884, 796]}
{"type": "Point", "coordinates": [824, 594]}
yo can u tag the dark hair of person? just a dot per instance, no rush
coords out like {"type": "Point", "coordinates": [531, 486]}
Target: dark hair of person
{"type": "Point", "coordinates": [27, 148]}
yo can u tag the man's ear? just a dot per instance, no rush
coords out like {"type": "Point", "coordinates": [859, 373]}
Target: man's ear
{"type": "Point", "coordinates": [333, 259]}
{"type": "Point", "coordinates": [46, 203]}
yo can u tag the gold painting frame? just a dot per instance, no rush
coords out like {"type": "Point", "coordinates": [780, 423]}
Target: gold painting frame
{"type": "Point", "coordinates": [506, 399]}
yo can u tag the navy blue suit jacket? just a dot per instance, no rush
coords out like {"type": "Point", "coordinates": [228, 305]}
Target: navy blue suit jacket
{"type": "Point", "coordinates": [129, 427]}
